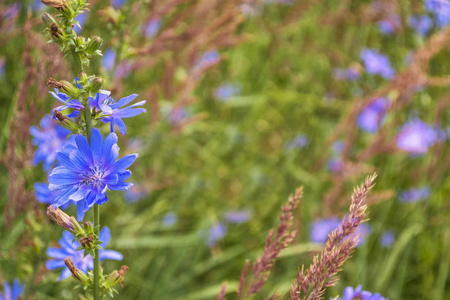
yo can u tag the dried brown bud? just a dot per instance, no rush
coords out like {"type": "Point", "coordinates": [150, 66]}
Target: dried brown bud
{"type": "Point", "coordinates": [117, 277]}
{"type": "Point", "coordinates": [59, 115]}
{"type": "Point", "coordinates": [77, 274]}
{"type": "Point", "coordinates": [61, 218]}
{"type": "Point", "coordinates": [54, 3]}
{"type": "Point", "coordinates": [87, 241]}
{"type": "Point", "coordinates": [54, 30]}
{"type": "Point", "coordinates": [54, 83]}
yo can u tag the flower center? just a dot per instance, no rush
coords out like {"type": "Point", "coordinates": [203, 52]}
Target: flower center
{"type": "Point", "coordinates": [94, 176]}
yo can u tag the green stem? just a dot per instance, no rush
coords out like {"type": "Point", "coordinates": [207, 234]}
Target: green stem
{"type": "Point", "coordinates": [97, 258]}
{"type": "Point", "coordinates": [87, 114]}
{"type": "Point", "coordinates": [78, 63]}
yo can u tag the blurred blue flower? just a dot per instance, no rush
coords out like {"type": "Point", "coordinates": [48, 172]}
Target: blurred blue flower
{"type": "Point", "coordinates": [441, 10]}
{"type": "Point", "coordinates": [299, 142]}
{"type": "Point", "coordinates": [12, 293]}
{"type": "Point", "coordinates": [123, 68]}
{"type": "Point", "coordinates": [208, 59]}
{"type": "Point", "coordinates": [377, 64]}
{"type": "Point", "coordinates": [387, 238]}
{"type": "Point", "coordinates": [49, 139]}
{"type": "Point", "coordinates": [373, 115]}
{"type": "Point", "coordinates": [177, 116]}
{"type": "Point", "coordinates": [390, 25]}
{"type": "Point", "coordinates": [86, 171]}
{"type": "Point", "coordinates": [117, 3]}
{"type": "Point", "coordinates": [238, 216]}
{"type": "Point", "coordinates": [114, 111]}
{"type": "Point", "coordinates": [69, 249]}
{"type": "Point", "coordinates": [44, 195]}
{"type": "Point", "coordinates": [351, 73]}
{"type": "Point", "coordinates": [321, 228]}
{"type": "Point", "coordinates": [337, 147]}
{"type": "Point", "coordinates": [37, 6]}
{"type": "Point", "coordinates": [414, 195]}
{"type": "Point", "coordinates": [136, 193]}
{"type": "Point", "coordinates": [362, 231]}
{"type": "Point", "coordinates": [359, 294]}
{"type": "Point", "coordinates": [109, 56]}
{"type": "Point", "coordinates": [422, 24]}
{"type": "Point", "coordinates": [227, 90]}
{"type": "Point", "coordinates": [216, 232]}
{"type": "Point", "coordinates": [335, 164]}
{"type": "Point", "coordinates": [81, 19]}
{"type": "Point", "coordinates": [415, 137]}
{"type": "Point", "coordinates": [169, 219]}
{"type": "Point", "coordinates": [152, 28]}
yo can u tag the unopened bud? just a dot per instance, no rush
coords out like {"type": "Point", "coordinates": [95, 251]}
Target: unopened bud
{"type": "Point", "coordinates": [93, 44]}
{"type": "Point", "coordinates": [70, 89]}
{"type": "Point", "coordinates": [66, 122]}
{"type": "Point", "coordinates": [96, 84]}
{"type": "Point", "coordinates": [60, 217]}
{"type": "Point", "coordinates": [48, 19]}
{"type": "Point", "coordinates": [88, 227]}
{"type": "Point", "coordinates": [76, 273]}
{"type": "Point", "coordinates": [87, 241]}
{"type": "Point", "coordinates": [54, 3]}
{"type": "Point", "coordinates": [83, 77]}
{"type": "Point", "coordinates": [117, 277]}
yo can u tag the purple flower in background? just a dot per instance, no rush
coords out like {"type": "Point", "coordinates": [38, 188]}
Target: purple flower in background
{"type": "Point", "coordinates": [216, 232]}
{"type": "Point", "coordinates": [377, 64]}
{"type": "Point", "coordinates": [422, 24]}
{"type": "Point", "coordinates": [352, 73]}
{"type": "Point", "coordinates": [109, 56]}
{"type": "Point", "coordinates": [136, 193]}
{"type": "Point", "coordinates": [69, 249]}
{"type": "Point", "coordinates": [359, 294]}
{"type": "Point", "coordinates": [152, 28]}
{"type": "Point", "coordinates": [114, 111]}
{"type": "Point", "coordinates": [86, 171]}
{"type": "Point", "coordinates": [335, 164]}
{"type": "Point", "coordinates": [238, 216]}
{"type": "Point", "coordinates": [390, 25]}
{"type": "Point", "coordinates": [441, 10]}
{"type": "Point", "coordinates": [373, 115]}
{"type": "Point", "coordinates": [387, 238]}
{"type": "Point", "coordinates": [209, 58]}
{"type": "Point", "coordinates": [299, 142]}
{"type": "Point", "coordinates": [14, 292]}
{"type": "Point", "coordinates": [11, 12]}
{"type": "Point", "coordinates": [415, 137]}
{"type": "Point", "coordinates": [81, 19]}
{"type": "Point", "coordinates": [320, 229]}
{"type": "Point", "coordinates": [49, 139]}
{"type": "Point", "coordinates": [177, 116]}
{"type": "Point", "coordinates": [117, 3]}
{"type": "Point", "coordinates": [414, 195]}
{"type": "Point", "coordinates": [169, 219]}
{"type": "Point", "coordinates": [227, 90]}
{"type": "Point", "coordinates": [337, 147]}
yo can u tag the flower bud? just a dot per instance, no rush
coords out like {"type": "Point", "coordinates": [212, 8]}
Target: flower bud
{"type": "Point", "coordinates": [66, 122]}
{"type": "Point", "coordinates": [55, 31]}
{"type": "Point", "coordinates": [88, 227]}
{"type": "Point", "coordinates": [87, 242]}
{"type": "Point", "coordinates": [48, 19]}
{"type": "Point", "coordinates": [117, 277]}
{"type": "Point", "coordinates": [54, 3]}
{"type": "Point", "coordinates": [54, 83]}
{"type": "Point", "coordinates": [96, 84]}
{"type": "Point", "coordinates": [60, 217]}
{"type": "Point", "coordinates": [93, 44]}
{"type": "Point", "coordinates": [76, 273]}
{"type": "Point", "coordinates": [70, 89]}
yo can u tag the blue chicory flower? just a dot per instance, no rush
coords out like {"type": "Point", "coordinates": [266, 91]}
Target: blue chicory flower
{"type": "Point", "coordinates": [216, 232]}
{"type": "Point", "coordinates": [49, 139]}
{"type": "Point", "coordinates": [14, 292]}
{"type": "Point", "coordinates": [422, 24]}
{"type": "Point", "coordinates": [321, 228]}
{"type": "Point", "coordinates": [86, 171]}
{"type": "Point", "coordinates": [389, 25]}
{"type": "Point", "coordinates": [415, 137]}
{"type": "Point", "coordinates": [227, 90]}
{"type": "Point", "coordinates": [387, 238]}
{"type": "Point", "coordinates": [299, 142]}
{"type": "Point", "coordinates": [152, 28]}
{"type": "Point", "coordinates": [377, 64]}
{"type": "Point", "coordinates": [373, 115]}
{"type": "Point", "coordinates": [441, 10]}
{"type": "Point", "coordinates": [238, 216]}
{"type": "Point", "coordinates": [69, 249]}
{"type": "Point", "coordinates": [169, 219]}
{"type": "Point", "coordinates": [359, 294]}
{"type": "Point", "coordinates": [414, 195]}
